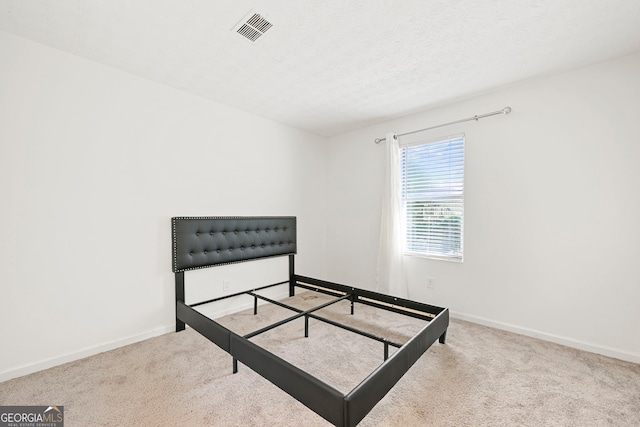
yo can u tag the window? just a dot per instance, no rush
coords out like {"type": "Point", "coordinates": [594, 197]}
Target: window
{"type": "Point", "coordinates": [432, 184]}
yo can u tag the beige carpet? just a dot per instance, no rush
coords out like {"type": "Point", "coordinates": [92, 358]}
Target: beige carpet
{"type": "Point", "coordinates": [480, 377]}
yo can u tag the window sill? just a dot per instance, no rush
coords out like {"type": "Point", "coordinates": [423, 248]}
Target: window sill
{"type": "Point", "coordinates": [434, 257]}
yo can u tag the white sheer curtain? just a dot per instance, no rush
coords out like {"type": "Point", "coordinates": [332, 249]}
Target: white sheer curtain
{"type": "Point", "coordinates": [391, 276]}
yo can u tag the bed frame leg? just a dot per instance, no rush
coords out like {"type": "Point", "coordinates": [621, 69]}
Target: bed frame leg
{"type": "Point", "coordinates": [443, 337]}
{"type": "Point", "coordinates": [235, 365]}
{"type": "Point", "coordinates": [306, 326]}
{"type": "Point", "coordinates": [180, 326]}
{"type": "Point", "coordinates": [292, 282]}
{"type": "Point", "coordinates": [255, 305]}
{"type": "Point", "coordinates": [179, 297]}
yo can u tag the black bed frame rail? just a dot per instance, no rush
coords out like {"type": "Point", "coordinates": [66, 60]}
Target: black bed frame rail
{"type": "Point", "coordinates": [374, 299]}
{"type": "Point", "coordinates": [337, 408]}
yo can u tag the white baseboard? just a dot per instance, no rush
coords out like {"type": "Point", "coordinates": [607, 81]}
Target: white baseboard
{"type": "Point", "coordinates": [86, 352]}
{"type": "Point", "coordinates": [580, 345]}
{"type": "Point", "coordinates": [71, 357]}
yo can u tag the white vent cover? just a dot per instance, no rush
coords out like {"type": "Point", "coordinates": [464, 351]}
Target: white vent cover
{"type": "Point", "coordinates": [252, 26]}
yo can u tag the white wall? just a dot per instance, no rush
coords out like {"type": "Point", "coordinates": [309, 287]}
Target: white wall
{"type": "Point", "coordinates": [93, 164]}
{"type": "Point", "coordinates": [552, 236]}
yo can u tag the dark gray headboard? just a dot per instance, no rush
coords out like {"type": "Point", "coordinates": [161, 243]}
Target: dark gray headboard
{"type": "Point", "coordinates": [200, 242]}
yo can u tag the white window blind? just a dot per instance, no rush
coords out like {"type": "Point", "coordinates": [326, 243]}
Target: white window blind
{"type": "Point", "coordinates": [433, 197]}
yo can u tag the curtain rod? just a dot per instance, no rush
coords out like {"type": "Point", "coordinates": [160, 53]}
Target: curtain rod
{"type": "Point", "coordinates": [505, 110]}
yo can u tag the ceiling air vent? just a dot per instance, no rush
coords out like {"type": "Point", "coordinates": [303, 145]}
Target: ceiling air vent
{"type": "Point", "coordinates": [252, 26]}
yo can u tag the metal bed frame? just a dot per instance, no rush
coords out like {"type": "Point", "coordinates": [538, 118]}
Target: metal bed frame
{"type": "Point", "coordinates": [200, 242]}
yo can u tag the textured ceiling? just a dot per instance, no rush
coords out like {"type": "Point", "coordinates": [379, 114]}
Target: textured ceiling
{"type": "Point", "coordinates": [333, 66]}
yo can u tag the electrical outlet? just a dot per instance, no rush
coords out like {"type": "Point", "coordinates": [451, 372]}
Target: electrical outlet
{"type": "Point", "coordinates": [225, 286]}
{"type": "Point", "coordinates": [430, 282]}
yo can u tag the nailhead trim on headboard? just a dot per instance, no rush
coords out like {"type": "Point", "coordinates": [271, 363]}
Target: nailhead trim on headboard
{"type": "Point", "coordinates": [201, 242]}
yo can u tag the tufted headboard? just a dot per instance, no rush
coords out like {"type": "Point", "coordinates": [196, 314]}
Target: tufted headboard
{"type": "Point", "coordinates": [200, 242]}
